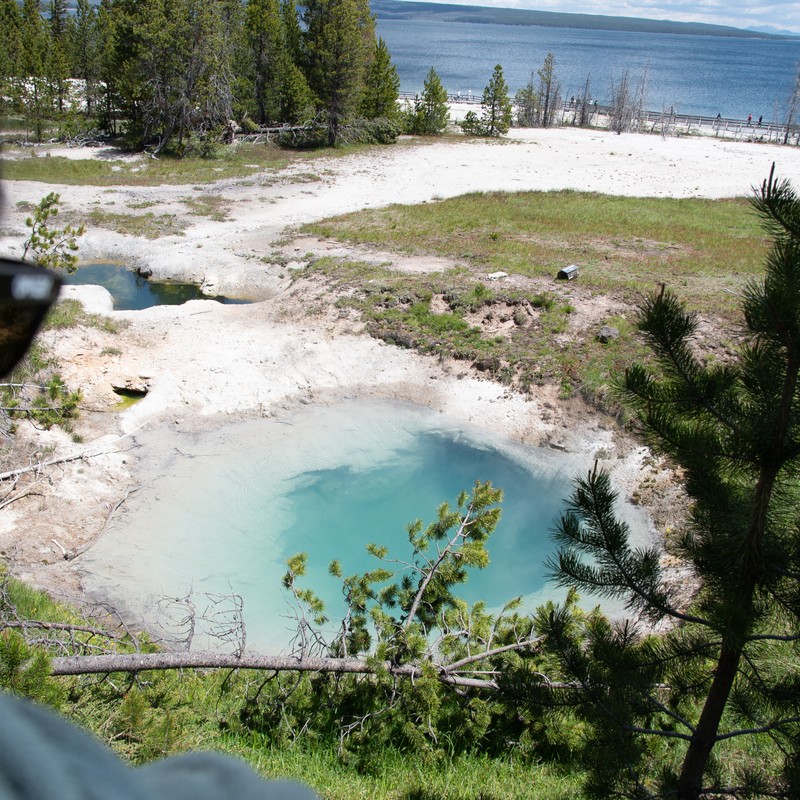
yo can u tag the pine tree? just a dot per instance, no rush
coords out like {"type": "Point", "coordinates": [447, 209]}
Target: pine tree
{"type": "Point", "coordinates": [106, 43]}
{"type": "Point", "coordinates": [526, 102]}
{"type": "Point", "coordinates": [430, 114]}
{"type": "Point", "coordinates": [727, 668]}
{"type": "Point", "coordinates": [496, 106]}
{"type": "Point", "coordinates": [10, 52]}
{"type": "Point", "coordinates": [338, 45]}
{"type": "Point", "coordinates": [173, 72]}
{"type": "Point", "coordinates": [382, 87]}
{"type": "Point", "coordinates": [34, 93]}
{"type": "Point", "coordinates": [297, 99]}
{"type": "Point", "coordinates": [291, 30]}
{"type": "Point", "coordinates": [57, 62]}
{"type": "Point", "coordinates": [268, 59]}
{"type": "Point", "coordinates": [83, 46]}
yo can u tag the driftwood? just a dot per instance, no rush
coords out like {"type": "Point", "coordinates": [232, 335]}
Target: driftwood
{"type": "Point", "coordinates": [82, 455]}
{"type": "Point", "coordinates": [40, 465]}
{"type": "Point", "coordinates": [141, 662]}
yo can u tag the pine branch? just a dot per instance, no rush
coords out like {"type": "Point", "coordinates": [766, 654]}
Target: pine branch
{"type": "Point", "coordinates": [431, 573]}
{"type": "Point", "coordinates": [456, 665]}
{"type": "Point", "coordinates": [780, 723]}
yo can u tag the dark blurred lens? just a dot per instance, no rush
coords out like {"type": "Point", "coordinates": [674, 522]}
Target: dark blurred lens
{"type": "Point", "coordinates": [26, 293]}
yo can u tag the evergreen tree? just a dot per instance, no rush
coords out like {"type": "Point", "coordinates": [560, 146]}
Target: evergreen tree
{"type": "Point", "coordinates": [526, 101]}
{"type": "Point", "coordinates": [291, 30]}
{"type": "Point", "coordinates": [496, 106]}
{"type": "Point", "coordinates": [382, 87]}
{"type": "Point", "coordinates": [235, 52]}
{"type": "Point", "coordinates": [338, 45]}
{"type": "Point", "coordinates": [430, 114]}
{"type": "Point", "coordinates": [268, 59]}
{"type": "Point", "coordinates": [297, 99]}
{"type": "Point", "coordinates": [727, 667]}
{"type": "Point", "coordinates": [34, 94]}
{"type": "Point", "coordinates": [57, 62]}
{"type": "Point", "coordinates": [177, 80]}
{"type": "Point", "coordinates": [83, 46]}
{"type": "Point", "coordinates": [10, 52]}
{"type": "Point", "coordinates": [106, 44]}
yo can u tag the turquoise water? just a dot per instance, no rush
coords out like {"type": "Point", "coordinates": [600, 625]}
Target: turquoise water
{"type": "Point", "coordinates": [222, 511]}
{"type": "Point", "coordinates": [131, 292]}
{"type": "Point", "coordinates": [703, 75]}
{"type": "Point", "coordinates": [432, 467]}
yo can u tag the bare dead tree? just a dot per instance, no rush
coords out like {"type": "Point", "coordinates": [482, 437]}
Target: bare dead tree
{"type": "Point", "coordinates": [627, 103]}
{"type": "Point", "coordinates": [584, 111]}
{"type": "Point", "coordinates": [620, 112]}
{"type": "Point", "coordinates": [223, 619]}
{"type": "Point", "coordinates": [793, 111]}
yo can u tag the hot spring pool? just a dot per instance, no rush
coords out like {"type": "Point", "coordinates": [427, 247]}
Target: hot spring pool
{"type": "Point", "coordinates": [131, 292]}
{"type": "Point", "coordinates": [222, 511]}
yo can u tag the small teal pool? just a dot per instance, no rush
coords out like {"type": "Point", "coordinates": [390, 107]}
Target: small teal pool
{"type": "Point", "coordinates": [131, 292]}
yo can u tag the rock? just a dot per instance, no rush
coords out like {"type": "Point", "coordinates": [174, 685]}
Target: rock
{"type": "Point", "coordinates": [131, 386]}
{"type": "Point", "coordinates": [495, 276]}
{"type": "Point", "coordinates": [607, 333]}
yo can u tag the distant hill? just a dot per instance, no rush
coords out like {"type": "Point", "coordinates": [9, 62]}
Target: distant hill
{"type": "Point", "coordinates": [771, 29]}
{"type": "Point", "coordinates": [408, 9]}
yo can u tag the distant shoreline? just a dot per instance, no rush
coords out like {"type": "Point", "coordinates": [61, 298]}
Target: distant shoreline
{"type": "Point", "coordinates": [445, 12]}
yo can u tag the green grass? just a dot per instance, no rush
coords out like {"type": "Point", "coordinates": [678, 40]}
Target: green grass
{"type": "Point", "coordinates": [243, 161]}
{"type": "Point", "coordinates": [240, 162]}
{"type": "Point", "coordinates": [147, 225]}
{"type": "Point", "coordinates": [212, 206]}
{"type": "Point", "coordinates": [70, 314]}
{"type": "Point", "coordinates": [703, 249]}
{"type": "Point", "coordinates": [13, 123]}
{"type": "Point", "coordinates": [396, 777]}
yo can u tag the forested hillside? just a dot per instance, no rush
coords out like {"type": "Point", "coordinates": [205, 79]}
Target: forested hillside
{"type": "Point", "coordinates": [173, 74]}
{"type": "Point", "coordinates": [446, 12]}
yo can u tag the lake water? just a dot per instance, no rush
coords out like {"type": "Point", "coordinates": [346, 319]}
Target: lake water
{"type": "Point", "coordinates": [703, 75]}
{"type": "Point", "coordinates": [223, 511]}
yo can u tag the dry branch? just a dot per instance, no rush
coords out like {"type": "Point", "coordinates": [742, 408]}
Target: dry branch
{"type": "Point", "coordinates": [82, 455]}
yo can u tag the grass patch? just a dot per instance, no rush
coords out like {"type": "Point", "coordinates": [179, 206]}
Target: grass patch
{"type": "Point", "coordinates": [703, 249]}
{"type": "Point", "coordinates": [239, 162]}
{"type": "Point", "coordinates": [71, 313]}
{"type": "Point", "coordinates": [212, 206]}
{"type": "Point", "coordinates": [395, 777]}
{"type": "Point", "coordinates": [517, 337]}
{"type": "Point", "coordinates": [147, 225]}
{"type": "Point", "coordinates": [13, 123]}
